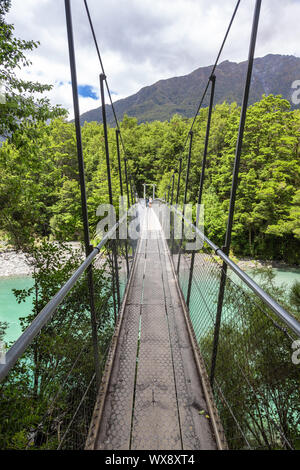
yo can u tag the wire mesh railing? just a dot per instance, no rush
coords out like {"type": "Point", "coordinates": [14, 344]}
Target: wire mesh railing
{"type": "Point", "coordinates": [256, 382]}
{"type": "Point", "coordinates": [52, 372]}
{"type": "Point", "coordinates": [49, 382]}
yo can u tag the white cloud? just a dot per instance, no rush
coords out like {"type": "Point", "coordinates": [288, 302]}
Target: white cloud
{"type": "Point", "coordinates": [144, 41]}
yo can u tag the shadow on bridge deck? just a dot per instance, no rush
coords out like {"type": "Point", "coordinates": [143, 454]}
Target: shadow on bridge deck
{"type": "Point", "coordinates": [155, 393]}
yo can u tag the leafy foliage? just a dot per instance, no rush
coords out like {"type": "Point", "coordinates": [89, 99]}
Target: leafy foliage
{"type": "Point", "coordinates": [42, 392]}
{"type": "Point", "coordinates": [256, 382]}
{"type": "Point", "coordinates": [22, 108]}
{"type": "Point", "coordinates": [180, 95]}
{"type": "Point", "coordinates": [40, 196]}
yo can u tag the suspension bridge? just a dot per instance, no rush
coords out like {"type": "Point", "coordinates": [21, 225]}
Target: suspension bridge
{"type": "Point", "coordinates": [155, 387]}
{"type": "Point", "coordinates": [197, 355]}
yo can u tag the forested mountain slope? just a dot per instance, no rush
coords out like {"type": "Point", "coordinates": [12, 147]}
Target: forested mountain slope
{"type": "Point", "coordinates": [40, 195]}
{"type": "Point", "coordinates": [273, 73]}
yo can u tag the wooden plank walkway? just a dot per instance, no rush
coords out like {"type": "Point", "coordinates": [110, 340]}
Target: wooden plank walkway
{"type": "Point", "coordinates": [154, 392]}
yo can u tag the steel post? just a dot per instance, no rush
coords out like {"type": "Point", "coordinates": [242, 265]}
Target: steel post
{"type": "Point", "coordinates": [119, 162]}
{"type": "Point", "coordinates": [88, 247]}
{"type": "Point", "coordinates": [178, 181]}
{"type": "Point", "coordinates": [114, 242]}
{"type": "Point", "coordinates": [185, 195]}
{"type": "Point", "coordinates": [131, 190]}
{"type": "Point", "coordinates": [168, 200]}
{"type": "Point", "coordinates": [211, 104]}
{"type": "Point", "coordinates": [176, 202]}
{"type": "Point", "coordinates": [126, 181]}
{"type": "Point", "coordinates": [172, 216]}
{"type": "Point", "coordinates": [238, 150]}
{"type": "Point", "coordinates": [121, 192]}
{"type": "Point", "coordinates": [172, 192]}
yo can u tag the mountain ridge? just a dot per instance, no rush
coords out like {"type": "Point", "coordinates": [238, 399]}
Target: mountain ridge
{"type": "Point", "coordinates": [273, 73]}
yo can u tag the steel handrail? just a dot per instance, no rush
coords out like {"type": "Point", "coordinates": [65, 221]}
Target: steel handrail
{"type": "Point", "coordinates": [45, 315]}
{"type": "Point", "coordinates": [286, 317]}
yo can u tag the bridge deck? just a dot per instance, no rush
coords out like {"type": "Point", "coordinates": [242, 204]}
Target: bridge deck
{"type": "Point", "coordinates": [152, 396]}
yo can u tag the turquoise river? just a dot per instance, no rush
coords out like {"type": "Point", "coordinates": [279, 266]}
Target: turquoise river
{"type": "Point", "coordinates": [11, 311]}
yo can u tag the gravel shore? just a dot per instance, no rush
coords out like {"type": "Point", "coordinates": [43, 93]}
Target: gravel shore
{"type": "Point", "coordinates": [248, 263]}
{"type": "Point", "coordinates": [14, 263]}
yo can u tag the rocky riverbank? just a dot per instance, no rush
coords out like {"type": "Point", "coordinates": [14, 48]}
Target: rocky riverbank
{"type": "Point", "coordinates": [15, 263]}
{"type": "Point", "coordinates": [248, 263]}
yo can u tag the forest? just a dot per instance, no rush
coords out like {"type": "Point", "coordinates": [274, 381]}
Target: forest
{"type": "Point", "coordinates": [48, 397]}
{"type": "Point", "coordinates": [40, 196]}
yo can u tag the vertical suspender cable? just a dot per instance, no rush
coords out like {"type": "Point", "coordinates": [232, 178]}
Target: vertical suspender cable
{"type": "Point", "coordinates": [211, 103]}
{"type": "Point", "coordinates": [121, 192]}
{"type": "Point", "coordinates": [114, 242]}
{"type": "Point", "coordinates": [105, 79]}
{"type": "Point", "coordinates": [238, 151]}
{"type": "Point", "coordinates": [82, 186]}
{"type": "Point", "coordinates": [176, 202]}
{"type": "Point", "coordinates": [185, 195]}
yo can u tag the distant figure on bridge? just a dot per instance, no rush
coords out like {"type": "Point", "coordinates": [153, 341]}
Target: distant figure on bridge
{"type": "Point", "coordinates": [150, 201]}
{"type": "Point", "coordinates": [147, 202]}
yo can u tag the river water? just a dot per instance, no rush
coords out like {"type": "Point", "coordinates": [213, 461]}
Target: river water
{"type": "Point", "coordinates": [11, 311]}
{"type": "Point", "coordinates": [282, 276]}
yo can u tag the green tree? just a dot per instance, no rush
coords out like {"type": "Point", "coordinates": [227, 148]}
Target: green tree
{"type": "Point", "coordinates": [42, 392]}
{"type": "Point", "coordinates": [23, 105]}
{"type": "Point", "coordinates": [256, 383]}
{"type": "Point", "coordinates": [295, 297]}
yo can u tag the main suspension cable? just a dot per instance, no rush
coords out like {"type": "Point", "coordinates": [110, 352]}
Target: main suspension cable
{"type": "Point", "coordinates": [106, 82]}
{"type": "Point", "coordinates": [213, 69]}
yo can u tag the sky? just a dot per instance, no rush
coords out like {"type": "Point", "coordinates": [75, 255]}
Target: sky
{"type": "Point", "coordinates": [143, 41]}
